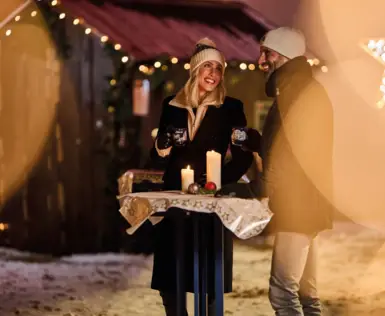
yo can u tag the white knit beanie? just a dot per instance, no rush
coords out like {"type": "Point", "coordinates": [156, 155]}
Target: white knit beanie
{"type": "Point", "coordinates": [205, 50]}
{"type": "Point", "coordinates": [286, 41]}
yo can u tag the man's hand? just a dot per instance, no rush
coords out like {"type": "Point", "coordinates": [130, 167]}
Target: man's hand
{"type": "Point", "coordinates": [253, 141]}
{"type": "Point", "coordinates": [252, 190]}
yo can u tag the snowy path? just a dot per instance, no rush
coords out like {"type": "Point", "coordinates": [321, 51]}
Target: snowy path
{"type": "Point", "coordinates": [118, 285]}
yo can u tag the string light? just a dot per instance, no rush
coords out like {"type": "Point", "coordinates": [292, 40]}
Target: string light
{"type": "Point", "coordinates": [377, 45]}
{"type": "Point", "coordinates": [3, 226]}
{"type": "Point", "coordinates": [324, 69]}
{"type": "Point", "coordinates": [112, 82]}
{"type": "Point", "coordinates": [150, 71]}
{"type": "Point", "coordinates": [146, 70]}
{"type": "Point", "coordinates": [243, 66]}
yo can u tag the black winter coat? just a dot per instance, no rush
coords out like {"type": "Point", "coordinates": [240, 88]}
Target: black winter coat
{"type": "Point", "coordinates": [297, 150]}
{"type": "Point", "coordinates": [214, 133]}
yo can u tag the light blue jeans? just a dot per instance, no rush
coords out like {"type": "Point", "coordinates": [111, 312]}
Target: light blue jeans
{"type": "Point", "coordinates": [293, 288]}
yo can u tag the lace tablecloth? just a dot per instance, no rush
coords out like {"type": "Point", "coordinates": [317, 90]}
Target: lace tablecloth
{"type": "Point", "coordinates": [245, 218]}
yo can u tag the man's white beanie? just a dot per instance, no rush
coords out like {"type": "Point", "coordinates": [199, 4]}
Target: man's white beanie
{"type": "Point", "coordinates": [286, 41]}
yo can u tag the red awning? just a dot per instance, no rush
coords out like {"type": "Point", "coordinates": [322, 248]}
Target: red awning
{"type": "Point", "coordinates": [146, 36]}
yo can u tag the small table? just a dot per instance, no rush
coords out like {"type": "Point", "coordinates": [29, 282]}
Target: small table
{"type": "Point", "coordinates": [245, 218]}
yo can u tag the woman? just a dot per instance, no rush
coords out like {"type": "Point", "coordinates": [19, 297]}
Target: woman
{"type": "Point", "coordinates": [202, 110]}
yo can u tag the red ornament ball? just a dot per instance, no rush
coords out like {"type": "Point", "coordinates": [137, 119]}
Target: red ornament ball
{"type": "Point", "coordinates": [211, 186]}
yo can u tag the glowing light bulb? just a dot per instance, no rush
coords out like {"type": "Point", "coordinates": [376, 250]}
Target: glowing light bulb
{"type": "Point", "coordinates": [243, 66]}
{"type": "Point", "coordinates": [372, 44]}
{"type": "Point", "coordinates": [76, 21]}
{"type": "Point", "coordinates": [62, 16]}
{"type": "Point", "coordinates": [117, 46]}
{"type": "Point", "coordinates": [88, 31]}
{"type": "Point", "coordinates": [157, 64]}
{"type": "Point", "coordinates": [186, 66]}
{"type": "Point", "coordinates": [174, 60]}
{"type": "Point", "coordinates": [124, 59]}
{"type": "Point", "coordinates": [104, 39]}
{"type": "Point", "coordinates": [380, 44]}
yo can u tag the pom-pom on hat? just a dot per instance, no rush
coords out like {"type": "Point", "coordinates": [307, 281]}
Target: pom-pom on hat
{"type": "Point", "coordinates": [286, 41]}
{"type": "Point", "coordinates": [205, 50]}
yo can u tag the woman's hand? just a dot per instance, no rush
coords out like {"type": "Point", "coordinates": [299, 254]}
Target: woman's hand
{"type": "Point", "coordinates": [165, 140]}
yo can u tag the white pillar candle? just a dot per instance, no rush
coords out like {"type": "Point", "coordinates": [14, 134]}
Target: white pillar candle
{"type": "Point", "coordinates": [187, 178]}
{"type": "Point", "coordinates": [214, 168]}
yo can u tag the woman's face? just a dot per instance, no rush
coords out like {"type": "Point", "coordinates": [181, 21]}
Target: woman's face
{"type": "Point", "coordinates": [209, 76]}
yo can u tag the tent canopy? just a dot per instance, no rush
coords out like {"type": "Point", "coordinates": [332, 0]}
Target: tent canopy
{"type": "Point", "coordinates": [148, 30]}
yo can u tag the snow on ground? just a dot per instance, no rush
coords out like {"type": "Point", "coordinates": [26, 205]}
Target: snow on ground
{"type": "Point", "coordinates": [351, 280]}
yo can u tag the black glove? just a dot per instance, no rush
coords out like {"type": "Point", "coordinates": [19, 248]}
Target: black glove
{"type": "Point", "coordinates": [251, 190]}
{"type": "Point", "coordinates": [253, 141]}
{"type": "Point", "coordinates": [165, 139]}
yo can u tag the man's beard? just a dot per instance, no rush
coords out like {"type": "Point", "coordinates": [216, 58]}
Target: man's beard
{"type": "Point", "coordinates": [268, 68]}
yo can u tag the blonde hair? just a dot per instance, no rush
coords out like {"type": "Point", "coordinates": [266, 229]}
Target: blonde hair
{"type": "Point", "coordinates": [191, 91]}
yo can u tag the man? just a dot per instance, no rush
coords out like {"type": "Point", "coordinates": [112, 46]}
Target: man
{"type": "Point", "coordinates": [296, 150]}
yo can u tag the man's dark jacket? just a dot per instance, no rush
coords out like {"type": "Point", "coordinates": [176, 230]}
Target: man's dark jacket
{"type": "Point", "coordinates": [297, 150]}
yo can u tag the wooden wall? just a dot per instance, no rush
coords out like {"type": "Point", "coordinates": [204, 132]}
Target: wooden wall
{"type": "Point", "coordinates": [52, 172]}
